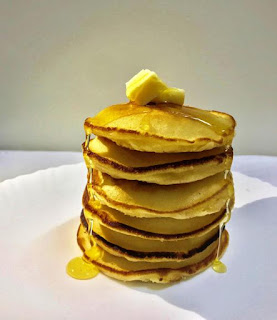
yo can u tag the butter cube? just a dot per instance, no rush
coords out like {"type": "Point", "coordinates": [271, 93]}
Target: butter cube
{"type": "Point", "coordinates": [144, 87]}
{"type": "Point", "coordinates": [171, 95]}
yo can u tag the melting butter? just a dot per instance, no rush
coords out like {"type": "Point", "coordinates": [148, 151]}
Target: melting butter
{"type": "Point", "coordinates": [171, 95]}
{"type": "Point", "coordinates": [144, 87]}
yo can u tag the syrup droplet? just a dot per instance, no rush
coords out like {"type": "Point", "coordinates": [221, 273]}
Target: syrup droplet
{"type": "Point", "coordinates": [87, 141]}
{"type": "Point", "coordinates": [95, 201]}
{"type": "Point", "coordinates": [219, 266]}
{"type": "Point", "coordinates": [78, 268]}
{"type": "Point", "coordinates": [227, 148]}
{"type": "Point", "coordinates": [144, 125]}
{"type": "Point", "coordinates": [90, 226]}
{"type": "Point", "coordinates": [228, 212]}
{"type": "Point", "coordinates": [226, 174]}
{"type": "Point", "coordinates": [93, 253]}
{"type": "Point", "coordinates": [89, 175]}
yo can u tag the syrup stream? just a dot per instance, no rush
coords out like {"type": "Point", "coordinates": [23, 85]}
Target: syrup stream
{"type": "Point", "coordinates": [219, 266]}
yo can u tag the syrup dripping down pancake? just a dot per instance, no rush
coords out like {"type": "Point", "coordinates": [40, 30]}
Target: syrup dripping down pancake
{"type": "Point", "coordinates": [160, 272]}
{"type": "Point", "coordinates": [152, 228]}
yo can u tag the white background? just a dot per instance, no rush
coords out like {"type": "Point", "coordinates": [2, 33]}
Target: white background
{"type": "Point", "coordinates": [62, 61]}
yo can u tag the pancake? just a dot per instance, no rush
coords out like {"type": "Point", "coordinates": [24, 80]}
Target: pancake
{"type": "Point", "coordinates": [150, 200]}
{"type": "Point", "coordinates": [159, 190]}
{"type": "Point", "coordinates": [153, 228]}
{"type": "Point", "coordinates": [160, 272]}
{"type": "Point", "coordinates": [135, 248]}
{"type": "Point", "coordinates": [160, 168]}
{"type": "Point", "coordinates": [163, 127]}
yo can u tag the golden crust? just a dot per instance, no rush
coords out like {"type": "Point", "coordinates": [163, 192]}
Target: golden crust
{"type": "Point", "coordinates": [142, 255]}
{"type": "Point", "coordinates": [161, 169]}
{"type": "Point", "coordinates": [159, 275]}
{"type": "Point", "coordinates": [187, 182]}
{"type": "Point", "coordinates": [147, 200]}
{"type": "Point", "coordinates": [118, 122]}
{"type": "Point", "coordinates": [105, 219]}
{"type": "Point", "coordinates": [128, 206]}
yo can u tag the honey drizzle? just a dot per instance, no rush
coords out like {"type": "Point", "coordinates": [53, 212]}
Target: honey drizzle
{"type": "Point", "coordinates": [227, 148]}
{"type": "Point", "coordinates": [129, 109]}
{"type": "Point", "coordinates": [226, 174]}
{"type": "Point", "coordinates": [186, 112]}
{"type": "Point", "coordinates": [182, 114]}
{"type": "Point", "coordinates": [145, 124]}
{"type": "Point", "coordinates": [89, 175]}
{"type": "Point", "coordinates": [80, 267]}
{"type": "Point", "coordinates": [202, 116]}
{"type": "Point", "coordinates": [88, 138]}
{"type": "Point", "coordinates": [219, 266]}
{"type": "Point", "coordinates": [90, 226]}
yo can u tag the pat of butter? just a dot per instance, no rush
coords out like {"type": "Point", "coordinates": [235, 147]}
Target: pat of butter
{"type": "Point", "coordinates": [144, 87]}
{"type": "Point", "coordinates": [171, 95]}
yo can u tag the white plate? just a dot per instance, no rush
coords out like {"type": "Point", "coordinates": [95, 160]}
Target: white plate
{"type": "Point", "coordinates": [39, 219]}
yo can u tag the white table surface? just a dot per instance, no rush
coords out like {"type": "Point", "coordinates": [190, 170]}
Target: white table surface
{"type": "Point", "coordinates": [16, 163]}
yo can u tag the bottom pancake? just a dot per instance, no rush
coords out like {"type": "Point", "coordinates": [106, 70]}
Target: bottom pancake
{"type": "Point", "coordinates": [163, 272]}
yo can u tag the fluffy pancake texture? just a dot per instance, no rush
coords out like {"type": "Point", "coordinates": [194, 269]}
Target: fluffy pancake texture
{"type": "Point", "coordinates": [150, 200]}
{"type": "Point", "coordinates": [154, 228]}
{"type": "Point", "coordinates": [163, 127]}
{"type": "Point", "coordinates": [160, 168]}
{"type": "Point", "coordinates": [159, 190]}
{"type": "Point", "coordinates": [159, 272]}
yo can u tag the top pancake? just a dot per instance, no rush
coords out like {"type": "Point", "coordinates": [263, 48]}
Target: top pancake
{"type": "Point", "coordinates": [163, 127]}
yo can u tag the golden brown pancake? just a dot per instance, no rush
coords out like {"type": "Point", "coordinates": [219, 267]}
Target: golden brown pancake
{"type": "Point", "coordinates": [135, 248]}
{"type": "Point", "coordinates": [150, 200]}
{"type": "Point", "coordinates": [160, 168]}
{"type": "Point", "coordinates": [159, 192]}
{"type": "Point", "coordinates": [161, 272]}
{"type": "Point", "coordinates": [162, 128]}
{"type": "Point", "coordinates": [152, 228]}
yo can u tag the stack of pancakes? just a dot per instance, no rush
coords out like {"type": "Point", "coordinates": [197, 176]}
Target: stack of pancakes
{"type": "Point", "coordinates": [159, 190]}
